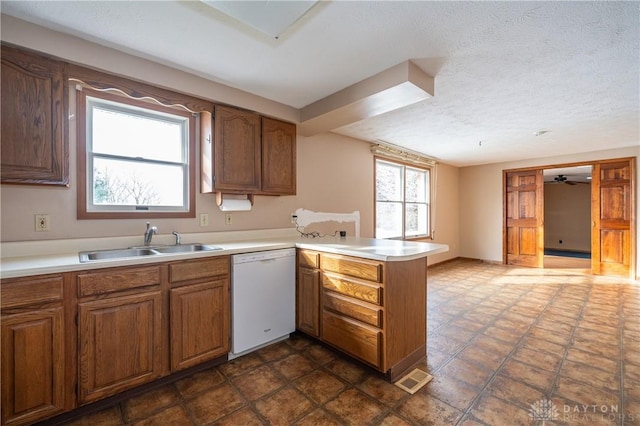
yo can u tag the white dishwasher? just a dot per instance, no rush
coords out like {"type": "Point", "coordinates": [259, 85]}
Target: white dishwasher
{"type": "Point", "coordinates": [263, 291]}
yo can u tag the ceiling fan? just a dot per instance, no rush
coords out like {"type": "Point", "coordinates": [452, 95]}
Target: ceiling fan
{"type": "Point", "coordinates": [564, 179]}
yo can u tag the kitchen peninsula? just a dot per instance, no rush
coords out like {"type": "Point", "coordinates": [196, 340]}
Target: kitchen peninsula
{"type": "Point", "coordinates": [364, 297]}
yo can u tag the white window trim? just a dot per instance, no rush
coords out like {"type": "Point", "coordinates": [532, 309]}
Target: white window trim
{"type": "Point", "coordinates": [91, 102]}
{"type": "Point", "coordinates": [398, 157]}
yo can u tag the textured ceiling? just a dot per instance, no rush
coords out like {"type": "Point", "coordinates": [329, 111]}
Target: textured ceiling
{"type": "Point", "coordinates": [503, 70]}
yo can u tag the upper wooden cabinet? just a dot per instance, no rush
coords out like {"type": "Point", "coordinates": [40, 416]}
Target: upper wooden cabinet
{"type": "Point", "coordinates": [34, 108]}
{"type": "Point", "coordinates": [278, 157]}
{"type": "Point", "coordinates": [250, 154]}
{"type": "Point", "coordinates": [237, 150]}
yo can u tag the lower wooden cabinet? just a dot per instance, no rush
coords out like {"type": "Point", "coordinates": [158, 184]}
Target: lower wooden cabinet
{"type": "Point", "coordinates": [308, 301]}
{"type": "Point", "coordinates": [199, 323]}
{"type": "Point", "coordinates": [199, 310]}
{"type": "Point", "coordinates": [33, 349]}
{"type": "Point", "coordinates": [32, 366]}
{"type": "Point", "coordinates": [352, 307]}
{"type": "Point", "coordinates": [374, 311]}
{"type": "Point", "coordinates": [73, 339]}
{"type": "Point", "coordinates": [120, 344]}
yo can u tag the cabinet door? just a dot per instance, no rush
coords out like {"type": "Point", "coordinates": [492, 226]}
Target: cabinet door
{"type": "Point", "coordinates": [237, 150]}
{"type": "Point", "coordinates": [278, 157]}
{"type": "Point", "coordinates": [32, 366]}
{"type": "Point", "coordinates": [308, 301]}
{"type": "Point", "coordinates": [33, 108]}
{"type": "Point", "coordinates": [120, 344]}
{"type": "Point", "coordinates": [199, 323]}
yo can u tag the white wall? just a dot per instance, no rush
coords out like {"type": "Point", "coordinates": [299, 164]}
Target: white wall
{"type": "Point", "coordinates": [567, 216]}
{"type": "Point", "coordinates": [481, 206]}
{"type": "Point", "coordinates": [447, 209]}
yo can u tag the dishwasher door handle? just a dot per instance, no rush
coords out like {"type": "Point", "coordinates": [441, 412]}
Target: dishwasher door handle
{"type": "Point", "coordinates": [268, 260]}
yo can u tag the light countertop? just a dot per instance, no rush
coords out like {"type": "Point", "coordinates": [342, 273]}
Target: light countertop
{"type": "Point", "coordinates": [36, 258]}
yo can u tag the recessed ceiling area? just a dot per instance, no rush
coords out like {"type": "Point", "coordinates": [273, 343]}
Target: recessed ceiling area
{"type": "Point", "coordinates": [502, 70]}
{"type": "Point", "coordinates": [273, 18]}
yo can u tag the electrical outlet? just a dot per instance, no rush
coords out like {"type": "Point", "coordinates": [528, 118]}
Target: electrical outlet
{"type": "Point", "coordinates": [228, 219]}
{"type": "Point", "coordinates": [42, 223]}
{"type": "Point", "coordinates": [204, 219]}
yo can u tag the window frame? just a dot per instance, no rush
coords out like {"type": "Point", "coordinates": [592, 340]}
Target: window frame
{"type": "Point", "coordinates": [405, 165]}
{"type": "Point", "coordinates": [83, 190]}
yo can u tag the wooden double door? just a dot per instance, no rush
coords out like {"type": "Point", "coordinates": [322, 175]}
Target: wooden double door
{"type": "Point", "coordinates": [612, 217]}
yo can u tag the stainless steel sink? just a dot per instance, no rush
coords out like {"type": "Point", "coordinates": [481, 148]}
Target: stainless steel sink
{"type": "Point", "coordinates": [88, 256]}
{"type": "Point", "coordinates": [185, 248]}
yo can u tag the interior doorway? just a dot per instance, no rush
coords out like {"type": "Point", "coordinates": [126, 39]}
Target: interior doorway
{"type": "Point", "coordinates": [612, 211]}
{"type": "Point", "coordinates": [567, 217]}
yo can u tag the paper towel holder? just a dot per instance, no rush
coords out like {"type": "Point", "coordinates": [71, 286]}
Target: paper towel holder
{"type": "Point", "coordinates": [219, 198]}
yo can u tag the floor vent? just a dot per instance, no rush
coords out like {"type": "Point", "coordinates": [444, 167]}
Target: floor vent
{"type": "Point", "coordinates": [413, 381]}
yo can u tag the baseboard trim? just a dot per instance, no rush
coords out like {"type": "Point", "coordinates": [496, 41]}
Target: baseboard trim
{"type": "Point", "coordinates": [443, 262]}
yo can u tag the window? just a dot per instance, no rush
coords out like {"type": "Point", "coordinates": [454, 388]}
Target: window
{"type": "Point", "coordinates": [136, 158]}
{"type": "Point", "coordinates": [402, 200]}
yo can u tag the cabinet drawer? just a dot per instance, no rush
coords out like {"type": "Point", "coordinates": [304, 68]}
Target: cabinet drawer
{"type": "Point", "coordinates": [351, 287]}
{"type": "Point", "coordinates": [107, 281]}
{"type": "Point", "coordinates": [30, 291]}
{"type": "Point", "coordinates": [350, 308]}
{"type": "Point", "coordinates": [359, 268]}
{"type": "Point", "coordinates": [198, 268]}
{"type": "Point", "coordinates": [359, 340]}
{"type": "Point", "coordinates": [309, 259]}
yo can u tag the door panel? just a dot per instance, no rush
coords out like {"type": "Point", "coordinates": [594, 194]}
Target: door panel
{"type": "Point", "coordinates": [612, 242]}
{"type": "Point", "coordinates": [615, 243]}
{"type": "Point", "coordinates": [528, 241]}
{"type": "Point", "coordinates": [524, 206]}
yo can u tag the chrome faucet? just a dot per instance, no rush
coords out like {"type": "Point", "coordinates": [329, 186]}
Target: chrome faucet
{"type": "Point", "coordinates": [175, 233]}
{"type": "Point", "coordinates": [148, 234]}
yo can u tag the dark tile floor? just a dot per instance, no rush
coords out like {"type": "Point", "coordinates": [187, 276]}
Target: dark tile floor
{"type": "Point", "coordinates": [506, 346]}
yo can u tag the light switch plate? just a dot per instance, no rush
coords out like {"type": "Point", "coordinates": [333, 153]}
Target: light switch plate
{"type": "Point", "coordinates": [42, 223]}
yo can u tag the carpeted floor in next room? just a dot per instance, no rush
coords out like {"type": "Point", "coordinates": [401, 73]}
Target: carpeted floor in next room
{"type": "Point", "coordinates": [506, 346]}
